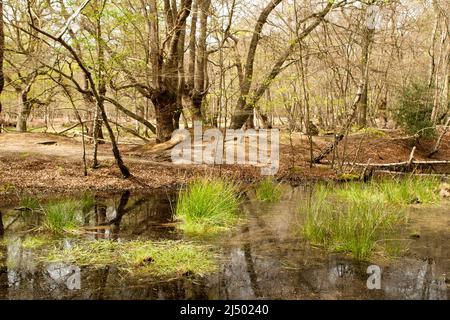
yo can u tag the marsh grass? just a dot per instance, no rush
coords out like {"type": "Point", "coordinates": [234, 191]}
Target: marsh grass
{"type": "Point", "coordinates": [352, 227]}
{"type": "Point", "coordinates": [62, 216]}
{"type": "Point", "coordinates": [268, 190]}
{"type": "Point", "coordinates": [208, 206]}
{"type": "Point", "coordinates": [357, 218]}
{"type": "Point", "coordinates": [161, 259]}
{"type": "Point", "coordinates": [87, 201]}
{"type": "Point", "coordinates": [408, 191]}
{"type": "Point", "coordinates": [29, 203]}
{"type": "Point", "coordinates": [411, 191]}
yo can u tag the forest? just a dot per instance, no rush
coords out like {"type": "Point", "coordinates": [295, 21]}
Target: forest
{"type": "Point", "coordinates": [224, 149]}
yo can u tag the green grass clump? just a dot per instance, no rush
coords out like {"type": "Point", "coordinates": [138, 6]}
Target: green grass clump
{"type": "Point", "coordinates": [208, 206]}
{"type": "Point", "coordinates": [353, 227]}
{"type": "Point", "coordinates": [62, 216]}
{"type": "Point", "coordinates": [411, 191]}
{"type": "Point", "coordinates": [268, 190]}
{"type": "Point", "coordinates": [87, 201]}
{"type": "Point", "coordinates": [397, 192]}
{"type": "Point", "coordinates": [355, 217]}
{"type": "Point", "coordinates": [161, 259]}
{"type": "Point", "coordinates": [29, 203]}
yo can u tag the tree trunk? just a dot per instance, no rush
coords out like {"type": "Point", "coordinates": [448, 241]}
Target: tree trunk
{"type": "Point", "coordinates": [165, 102]}
{"type": "Point", "coordinates": [197, 65]}
{"type": "Point", "coordinates": [25, 110]}
{"type": "Point", "coordinates": [368, 34]}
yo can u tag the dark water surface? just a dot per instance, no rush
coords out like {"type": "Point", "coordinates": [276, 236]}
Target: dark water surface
{"type": "Point", "coordinates": [265, 257]}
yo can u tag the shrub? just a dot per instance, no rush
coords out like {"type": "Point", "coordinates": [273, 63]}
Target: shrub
{"type": "Point", "coordinates": [414, 109]}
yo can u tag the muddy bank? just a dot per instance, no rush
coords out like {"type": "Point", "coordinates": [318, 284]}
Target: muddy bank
{"type": "Point", "coordinates": [28, 164]}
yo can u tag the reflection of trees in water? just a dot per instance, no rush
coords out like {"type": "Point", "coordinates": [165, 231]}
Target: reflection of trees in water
{"type": "Point", "coordinates": [3, 260]}
{"type": "Point", "coordinates": [255, 268]}
{"type": "Point", "coordinates": [138, 216]}
{"type": "Point", "coordinates": [417, 280]}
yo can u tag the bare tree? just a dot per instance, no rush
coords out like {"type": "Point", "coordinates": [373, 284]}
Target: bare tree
{"type": "Point", "coordinates": [247, 98]}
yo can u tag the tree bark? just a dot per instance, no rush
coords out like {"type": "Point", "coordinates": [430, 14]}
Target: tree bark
{"type": "Point", "coordinates": [25, 110]}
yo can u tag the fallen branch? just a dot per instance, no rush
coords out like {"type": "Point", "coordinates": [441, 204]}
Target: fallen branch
{"type": "Point", "coordinates": [396, 164]}
{"type": "Point", "coordinates": [133, 132]}
{"type": "Point", "coordinates": [105, 140]}
{"type": "Point", "coordinates": [73, 127]}
{"type": "Point", "coordinates": [396, 173]}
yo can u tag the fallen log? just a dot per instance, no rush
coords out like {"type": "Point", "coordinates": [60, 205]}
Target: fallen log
{"type": "Point", "coordinates": [381, 173]}
{"type": "Point", "coordinates": [395, 164]}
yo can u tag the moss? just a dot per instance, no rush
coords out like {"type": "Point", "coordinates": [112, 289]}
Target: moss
{"type": "Point", "coordinates": [34, 242]}
{"type": "Point", "coordinates": [372, 132]}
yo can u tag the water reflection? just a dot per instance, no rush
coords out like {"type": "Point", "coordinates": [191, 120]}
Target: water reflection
{"type": "Point", "coordinates": [265, 258]}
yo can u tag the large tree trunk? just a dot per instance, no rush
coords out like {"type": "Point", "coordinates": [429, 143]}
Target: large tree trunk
{"type": "Point", "coordinates": [197, 78]}
{"type": "Point", "coordinates": [165, 102]}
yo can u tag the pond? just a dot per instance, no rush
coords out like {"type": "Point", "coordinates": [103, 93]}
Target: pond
{"type": "Point", "coordinates": [263, 257]}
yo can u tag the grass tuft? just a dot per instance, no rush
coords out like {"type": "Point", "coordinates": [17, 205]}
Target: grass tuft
{"type": "Point", "coordinates": [357, 217]}
{"type": "Point", "coordinates": [29, 203]}
{"type": "Point", "coordinates": [62, 216]}
{"type": "Point", "coordinates": [87, 201]}
{"type": "Point", "coordinates": [208, 206]}
{"type": "Point", "coordinates": [268, 190]}
{"type": "Point", "coordinates": [408, 191]}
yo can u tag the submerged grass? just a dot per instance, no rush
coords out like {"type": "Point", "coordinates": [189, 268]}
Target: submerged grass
{"type": "Point", "coordinates": [34, 242]}
{"type": "Point", "coordinates": [61, 216]}
{"type": "Point", "coordinates": [208, 206]}
{"type": "Point", "coordinates": [161, 259]}
{"type": "Point", "coordinates": [356, 218]}
{"type": "Point", "coordinates": [268, 190]}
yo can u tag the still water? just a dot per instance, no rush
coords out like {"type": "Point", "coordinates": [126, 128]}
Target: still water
{"type": "Point", "coordinates": [264, 257]}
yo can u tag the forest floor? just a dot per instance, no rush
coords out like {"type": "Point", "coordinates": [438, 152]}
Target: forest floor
{"type": "Point", "coordinates": [41, 162]}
